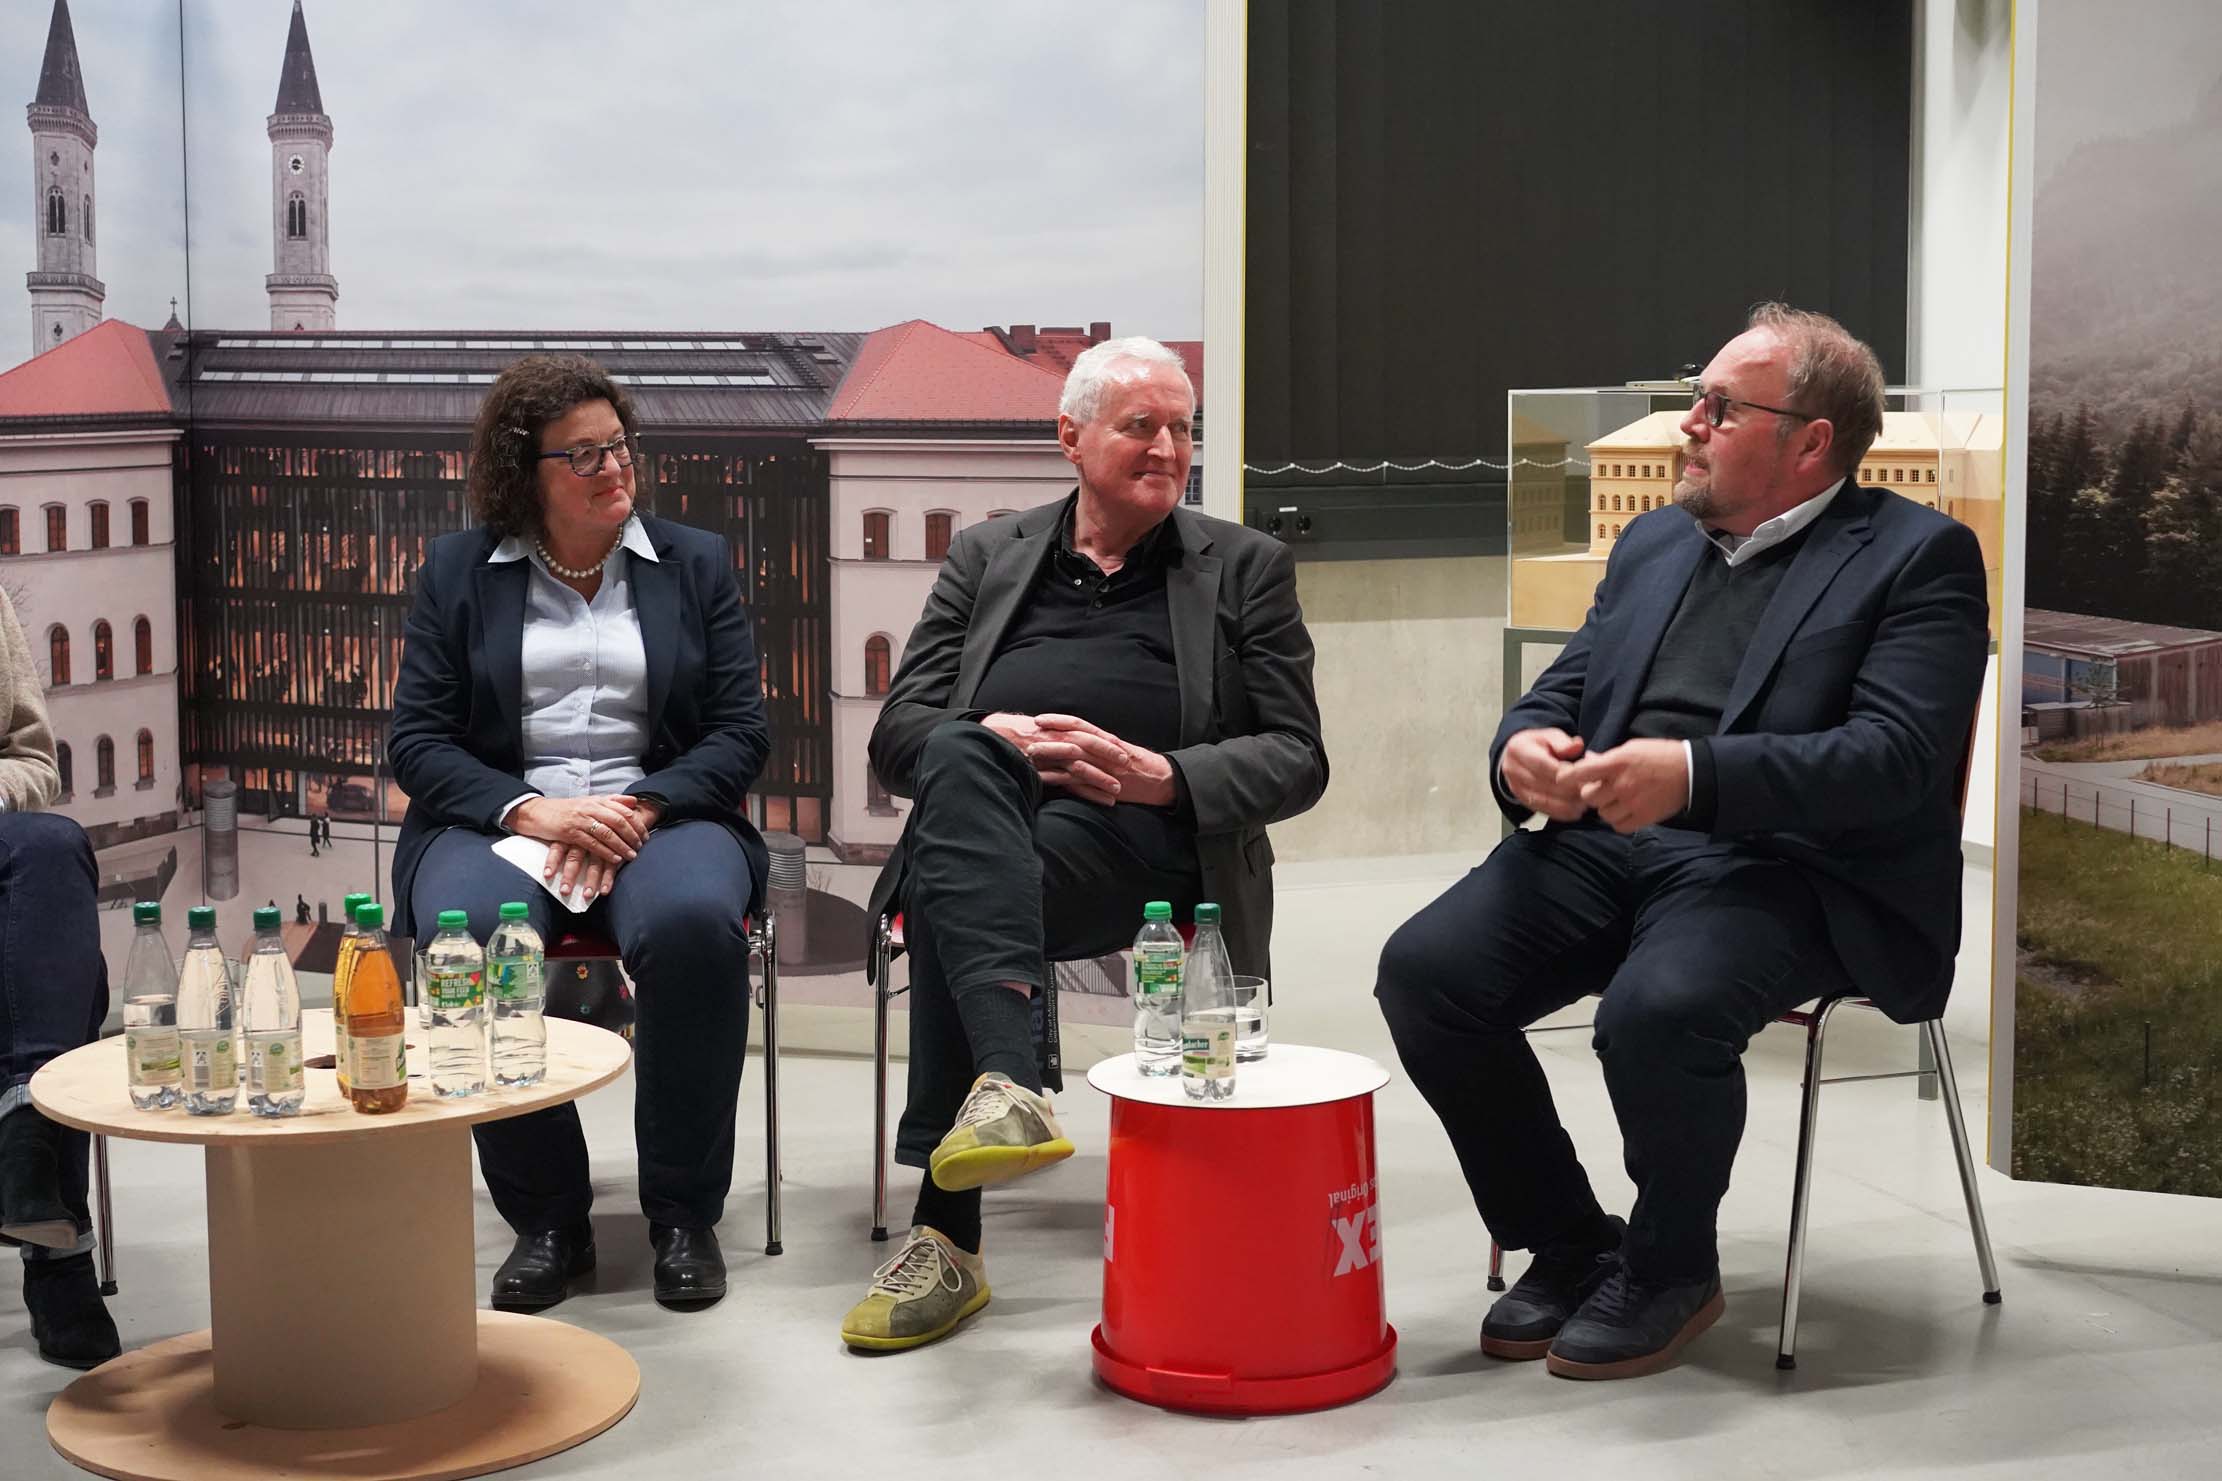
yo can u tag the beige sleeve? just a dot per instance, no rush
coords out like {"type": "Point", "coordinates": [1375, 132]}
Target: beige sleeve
{"type": "Point", "coordinates": [29, 778]}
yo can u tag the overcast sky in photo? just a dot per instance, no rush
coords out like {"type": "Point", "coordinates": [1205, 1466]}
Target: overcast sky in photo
{"type": "Point", "coordinates": [831, 165]}
{"type": "Point", "coordinates": [2112, 71]}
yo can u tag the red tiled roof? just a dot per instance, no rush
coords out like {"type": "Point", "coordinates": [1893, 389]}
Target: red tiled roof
{"type": "Point", "coordinates": [107, 370]}
{"type": "Point", "coordinates": [920, 372]}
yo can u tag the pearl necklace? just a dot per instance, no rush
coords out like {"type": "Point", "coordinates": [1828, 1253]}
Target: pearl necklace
{"type": "Point", "coordinates": [567, 572]}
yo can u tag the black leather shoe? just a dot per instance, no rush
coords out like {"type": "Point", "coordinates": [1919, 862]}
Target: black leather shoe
{"type": "Point", "coordinates": [1525, 1319]}
{"type": "Point", "coordinates": [1628, 1328]}
{"type": "Point", "coordinates": [541, 1267]}
{"type": "Point", "coordinates": [690, 1269]}
{"type": "Point", "coordinates": [68, 1319]}
{"type": "Point", "coordinates": [31, 1206]}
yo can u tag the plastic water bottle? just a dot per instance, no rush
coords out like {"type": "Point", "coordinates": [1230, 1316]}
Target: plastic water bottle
{"type": "Point", "coordinates": [1207, 1013]}
{"type": "Point", "coordinates": [455, 1007]}
{"type": "Point", "coordinates": [270, 1014]}
{"type": "Point", "coordinates": [1158, 958]}
{"type": "Point", "coordinates": [150, 1013]}
{"type": "Point", "coordinates": [517, 985]}
{"type": "Point", "coordinates": [207, 1029]}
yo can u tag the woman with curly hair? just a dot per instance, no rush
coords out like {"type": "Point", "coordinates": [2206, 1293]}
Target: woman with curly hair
{"type": "Point", "coordinates": [582, 673]}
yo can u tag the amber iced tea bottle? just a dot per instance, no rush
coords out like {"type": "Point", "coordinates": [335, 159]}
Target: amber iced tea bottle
{"type": "Point", "coordinates": [350, 938]}
{"type": "Point", "coordinates": [377, 1069]}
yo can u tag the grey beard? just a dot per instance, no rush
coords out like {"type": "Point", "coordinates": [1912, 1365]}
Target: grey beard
{"type": "Point", "coordinates": [1696, 502]}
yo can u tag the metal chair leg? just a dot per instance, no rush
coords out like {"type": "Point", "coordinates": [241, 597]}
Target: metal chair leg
{"type": "Point", "coordinates": [1801, 1188]}
{"type": "Point", "coordinates": [1496, 1266]}
{"type": "Point", "coordinates": [767, 945]}
{"type": "Point", "coordinates": [1933, 1032]}
{"type": "Point", "coordinates": [105, 1209]}
{"type": "Point", "coordinates": [883, 955]}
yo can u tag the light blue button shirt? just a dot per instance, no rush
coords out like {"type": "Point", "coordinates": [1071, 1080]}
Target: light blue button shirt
{"type": "Point", "coordinates": [585, 676]}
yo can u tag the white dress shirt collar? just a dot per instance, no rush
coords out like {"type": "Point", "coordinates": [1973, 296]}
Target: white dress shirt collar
{"type": "Point", "coordinates": [634, 538]}
{"type": "Point", "coordinates": [1738, 549]}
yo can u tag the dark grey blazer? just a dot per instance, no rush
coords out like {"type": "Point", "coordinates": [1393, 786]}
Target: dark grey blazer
{"type": "Point", "coordinates": [1250, 748]}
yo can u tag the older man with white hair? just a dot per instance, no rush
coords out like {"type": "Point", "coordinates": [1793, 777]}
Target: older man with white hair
{"type": "Point", "coordinates": [1104, 702]}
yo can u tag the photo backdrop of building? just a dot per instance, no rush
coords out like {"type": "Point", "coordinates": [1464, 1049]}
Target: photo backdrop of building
{"type": "Point", "coordinates": [215, 530]}
{"type": "Point", "coordinates": [2116, 976]}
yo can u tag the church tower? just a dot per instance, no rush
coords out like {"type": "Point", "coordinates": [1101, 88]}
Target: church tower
{"type": "Point", "coordinates": [65, 296]}
{"type": "Point", "coordinates": [303, 292]}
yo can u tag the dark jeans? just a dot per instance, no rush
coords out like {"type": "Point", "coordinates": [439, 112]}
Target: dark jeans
{"type": "Point", "coordinates": [998, 882]}
{"type": "Point", "coordinates": [53, 982]}
{"type": "Point", "coordinates": [1696, 946]}
{"type": "Point", "coordinates": [678, 915]}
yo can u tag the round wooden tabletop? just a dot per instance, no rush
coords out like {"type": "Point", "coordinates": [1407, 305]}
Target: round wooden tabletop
{"type": "Point", "coordinates": [86, 1088]}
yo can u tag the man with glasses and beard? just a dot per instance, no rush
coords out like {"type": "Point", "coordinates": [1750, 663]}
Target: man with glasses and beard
{"type": "Point", "coordinates": [1749, 761]}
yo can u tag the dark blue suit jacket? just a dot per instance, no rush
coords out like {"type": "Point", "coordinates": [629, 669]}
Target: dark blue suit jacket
{"type": "Point", "coordinates": [457, 744]}
{"type": "Point", "coordinates": [1844, 740]}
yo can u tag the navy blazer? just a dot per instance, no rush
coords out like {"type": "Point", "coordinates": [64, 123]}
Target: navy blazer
{"type": "Point", "coordinates": [1843, 744]}
{"type": "Point", "coordinates": [457, 743]}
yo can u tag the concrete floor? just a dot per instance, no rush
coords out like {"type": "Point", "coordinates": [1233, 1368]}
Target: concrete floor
{"type": "Point", "coordinates": [2103, 1361]}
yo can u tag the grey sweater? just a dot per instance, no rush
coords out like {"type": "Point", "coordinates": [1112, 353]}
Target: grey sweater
{"type": "Point", "coordinates": [29, 778]}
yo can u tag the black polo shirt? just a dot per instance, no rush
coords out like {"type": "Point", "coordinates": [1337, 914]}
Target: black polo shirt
{"type": "Point", "coordinates": [1096, 646]}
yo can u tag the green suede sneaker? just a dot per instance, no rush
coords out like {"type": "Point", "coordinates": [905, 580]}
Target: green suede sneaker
{"type": "Point", "coordinates": [918, 1297]}
{"type": "Point", "coordinates": [1003, 1131]}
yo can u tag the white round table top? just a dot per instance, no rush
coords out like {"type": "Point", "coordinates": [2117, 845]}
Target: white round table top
{"type": "Point", "coordinates": [86, 1088]}
{"type": "Point", "coordinates": [1289, 1075]}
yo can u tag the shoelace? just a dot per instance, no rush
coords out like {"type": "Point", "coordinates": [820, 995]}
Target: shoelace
{"type": "Point", "coordinates": [992, 1099]}
{"type": "Point", "coordinates": [915, 1269]}
{"type": "Point", "coordinates": [1618, 1299]}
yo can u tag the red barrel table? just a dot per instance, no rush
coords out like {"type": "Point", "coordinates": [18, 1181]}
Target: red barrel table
{"type": "Point", "coordinates": [1242, 1238]}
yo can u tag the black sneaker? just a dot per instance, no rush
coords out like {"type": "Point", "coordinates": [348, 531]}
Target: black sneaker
{"type": "Point", "coordinates": [1628, 1328]}
{"type": "Point", "coordinates": [1524, 1320]}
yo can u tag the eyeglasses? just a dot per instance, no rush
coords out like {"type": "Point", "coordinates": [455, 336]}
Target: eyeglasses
{"type": "Point", "coordinates": [1715, 405]}
{"type": "Point", "coordinates": [586, 459]}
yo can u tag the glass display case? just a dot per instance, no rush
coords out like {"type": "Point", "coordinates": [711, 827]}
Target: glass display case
{"type": "Point", "coordinates": [1587, 460]}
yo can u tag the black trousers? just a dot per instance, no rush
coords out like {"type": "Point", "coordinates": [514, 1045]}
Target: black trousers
{"type": "Point", "coordinates": [997, 882]}
{"type": "Point", "coordinates": [678, 913]}
{"type": "Point", "coordinates": [1695, 945]}
{"type": "Point", "coordinates": [53, 981]}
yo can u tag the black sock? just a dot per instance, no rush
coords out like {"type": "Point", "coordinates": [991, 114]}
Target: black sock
{"type": "Point", "coordinates": [956, 1215]}
{"type": "Point", "coordinates": [1000, 1024]}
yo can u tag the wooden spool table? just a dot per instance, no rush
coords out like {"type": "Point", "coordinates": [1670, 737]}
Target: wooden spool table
{"type": "Point", "coordinates": [346, 1338]}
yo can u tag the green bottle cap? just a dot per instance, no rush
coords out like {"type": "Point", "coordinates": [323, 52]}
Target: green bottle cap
{"type": "Point", "coordinates": [455, 920]}
{"type": "Point", "coordinates": [515, 910]}
{"type": "Point", "coordinates": [266, 917]}
{"type": "Point", "coordinates": [1207, 914]}
{"type": "Point", "coordinates": [360, 897]}
{"type": "Point", "coordinates": [355, 911]}
{"type": "Point", "coordinates": [147, 912]}
{"type": "Point", "coordinates": [1158, 910]}
{"type": "Point", "coordinates": [201, 918]}
{"type": "Point", "coordinates": [371, 916]}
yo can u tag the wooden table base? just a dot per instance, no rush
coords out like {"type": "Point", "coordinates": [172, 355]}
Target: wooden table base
{"type": "Point", "coordinates": [542, 1387]}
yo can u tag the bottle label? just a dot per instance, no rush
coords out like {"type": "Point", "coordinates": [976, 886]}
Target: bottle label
{"type": "Point", "coordinates": [376, 1062]}
{"type": "Point", "coordinates": [514, 979]}
{"type": "Point", "coordinates": [274, 1063]}
{"type": "Point", "coordinates": [152, 1054]}
{"type": "Point", "coordinates": [455, 987]}
{"type": "Point", "coordinates": [212, 1064]}
{"type": "Point", "coordinates": [1157, 968]}
{"type": "Point", "coordinates": [1207, 1050]}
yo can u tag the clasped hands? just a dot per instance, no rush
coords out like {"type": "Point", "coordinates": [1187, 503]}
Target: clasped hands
{"type": "Point", "coordinates": [1086, 760]}
{"type": "Point", "coordinates": [588, 838]}
{"type": "Point", "coordinates": [1633, 785]}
